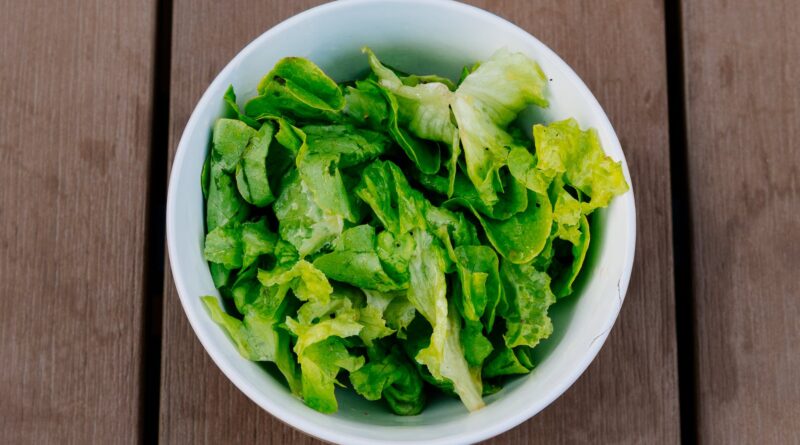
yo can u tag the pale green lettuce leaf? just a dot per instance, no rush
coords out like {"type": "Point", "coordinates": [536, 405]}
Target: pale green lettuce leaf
{"type": "Point", "coordinates": [301, 221]}
{"type": "Point", "coordinates": [229, 139]}
{"type": "Point", "coordinates": [320, 363]}
{"type": "Point", "coordinates": [444, 356]}
{"type": "Point", "coordinates": [306, 281]}
{"type": "Point", "coordinates": [562, 148]}
{"type": "Point", "coordinates": [486, 101]}
{"type": "Point", "coordinates": [527, 300]}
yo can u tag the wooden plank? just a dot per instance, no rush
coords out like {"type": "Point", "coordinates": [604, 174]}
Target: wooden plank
{"type": "Point", "coordinates": [629, 395]}
{"type": "Point", "coordinates": [75, 88]}
{"type": "Point", "coordinates": [743, 115]}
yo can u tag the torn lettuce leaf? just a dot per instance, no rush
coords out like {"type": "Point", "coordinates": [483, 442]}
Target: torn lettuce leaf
{"type": "Point", "coordinates": [224, 205]}
{"type": "Point", "coordinates": [527, 300]}
{"type": "Point", "coordinates": [230, 138]}
{"type": "Point", "coordinates": [394, 379]}
{"type": "Point", "coordinates": [421, 104]}
{"type": "Point", "coordinates": [444, 356]}
{"type": "Point", "coordinates": [521, 237]}
{"type": "Point", "coordinates": [366, 106]}
{"type": "Point", "coordinates": [564, 149]}
{"type": "Point", "coordinates": [481, 289]}
{"type": "Point", "coordinates": [301, 221]}
{"type": "Point", "coordinates": [487, 100]}
{"type": "Point", "coordinates": [251, 170]}
{"type": "Point", "coordinates": [355, 261]}
{"type": "Point", "coordinates": [298, 88]}
{"type": "Point", "coordinates": [564, 275]}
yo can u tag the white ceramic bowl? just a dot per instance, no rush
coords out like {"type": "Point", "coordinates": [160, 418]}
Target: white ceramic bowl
{"type": "Point", "coordinates": [419, 36]}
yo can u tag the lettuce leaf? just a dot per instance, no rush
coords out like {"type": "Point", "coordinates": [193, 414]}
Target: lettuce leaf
{"type": "Point", "coordinates": [481, 289]}
{"type": "Point", "coordinates": [251, 171]}
{"type": "Point", "coordinates": [397, 206]}
{"type": "Point", "coordinates": [521, 237]}
{"type": "Point", "coordinates": [488, 100]}
{"type": "Point", "coordinates": [564, 275]}
{"type": "Point", "coordinates": [394, 379]}
{"type": "Point", "coordinates": [444, 356]}
{"type": "Point", "coordinates": [306, 281]}
{"type": "Point", "coordinates": [355, 261]}
{"type": "Point", "coordinates": [298, 88]}
{"type": "Point", "coordinates": [301, 221]}
{"type": "Point", "coordinates": [422, 104]}
{"type": "Point", "coordinates": [564, 149]}
{"type": "Point", "coordinates": [527, 300]}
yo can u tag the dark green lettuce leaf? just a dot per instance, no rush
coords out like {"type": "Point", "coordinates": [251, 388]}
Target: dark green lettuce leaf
{"type": "Point", "coordinates": [501, 362]}
{"type": "Point", "coordinates": [224, 204]}
{"type": "Point", "coordinates": [565, 269]}
{"type": "Point", "coordinates": [366, 106]}
{"type": "Point", "coordinates": [355, 261]}
{"type": "Point", "coordinates": [476, 346]}
{"type": "Point", "coordinates": [385, 189]}
{"type": "Point", "coordinates": [521, 237]}
{"type": "Point", "coordinates": [513, 199]}
{"type": "Point", "coordinates": [326, 149]}
{"type": "Point", "coordinates": [481, 289]}
{"type": "Point", "coordinates": [296, 87]}
{"type": "Point", "coordinates": [394, 379]}
{"type": "Point", "coordinates": [234, 111]}
{"type": "Point", "coordinates": [251, 171]}
{"type": "Point", "coordinates": [257, 240]}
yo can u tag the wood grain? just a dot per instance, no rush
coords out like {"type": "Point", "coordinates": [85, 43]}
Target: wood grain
{"type": "Point", "coordinates": [743, 114]}
{"type": "Point", "coordinates": [75, 95]}
{"type": "Point", "coordinates": [629, 394]}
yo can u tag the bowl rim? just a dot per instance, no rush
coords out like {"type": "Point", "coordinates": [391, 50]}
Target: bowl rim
{"type": "Point", "coordinates": [299, 421]}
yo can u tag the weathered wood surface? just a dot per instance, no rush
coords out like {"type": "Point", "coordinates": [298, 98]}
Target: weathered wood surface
{"type": "Point", "coordinates": [629, 394]}
{"type": "Point", "coordinates": [75, 104]}
{"type": "Point", "coordinates": [743, 114]}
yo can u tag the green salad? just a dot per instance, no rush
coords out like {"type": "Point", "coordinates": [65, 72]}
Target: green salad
{"type": "Point", "coordinates": [399, 234]}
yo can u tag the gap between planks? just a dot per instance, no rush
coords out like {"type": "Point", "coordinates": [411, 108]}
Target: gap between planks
{"type": "Point", "coordinates": [150, 385]}
{"type": "Point", "coordinates": [681, 223]}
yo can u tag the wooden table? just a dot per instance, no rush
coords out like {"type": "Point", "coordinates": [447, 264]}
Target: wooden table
{"type": "Point", "coordinates": [705, 97]}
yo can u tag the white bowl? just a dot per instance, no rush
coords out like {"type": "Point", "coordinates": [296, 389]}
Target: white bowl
{"type": "Point", "coordinates": [419, 36]}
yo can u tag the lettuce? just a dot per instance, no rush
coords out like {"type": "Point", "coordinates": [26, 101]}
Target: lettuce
{"type": "Point", "coordinates": [444, 356]}
{"type": "Point", "coordinates": [355, 261]}
{"type": "Point", "coordinates": [355, 246]}
{"type": "Point", "coordinates": [488, 99]}
{"type": "Point", "coordinates": [564, 149]}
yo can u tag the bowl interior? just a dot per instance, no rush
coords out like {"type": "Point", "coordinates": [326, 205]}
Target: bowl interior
{"type": "Point", "coordinates": [417, 36]}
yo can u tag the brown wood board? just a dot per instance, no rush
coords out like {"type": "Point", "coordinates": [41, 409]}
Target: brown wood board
{"type": "Point", "coordinates": [743, 122]}
{"type": "Point", "coordinates": [76, 95]}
